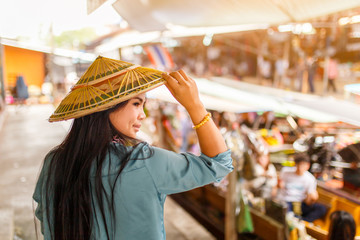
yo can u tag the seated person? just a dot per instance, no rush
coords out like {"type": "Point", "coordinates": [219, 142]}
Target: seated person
{"type": "Point", "coordinates": [342, 226]}
{"type": "Point", "coordinates": [264, 184]}
{"type": "Point", "coordinates": [298, 190]}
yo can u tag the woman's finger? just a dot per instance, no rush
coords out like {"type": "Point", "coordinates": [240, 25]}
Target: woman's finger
{"type": "Point", "coordinates": [183, 74]}
{"type": "Point", "coordinates": [173, 83]}
{"type": "Point", "coordinates": [178, 77]}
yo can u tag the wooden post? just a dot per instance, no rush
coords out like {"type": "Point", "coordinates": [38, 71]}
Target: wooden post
{"type": "Point", "coordinates": [230, 206]}
{"type": "Point", "coordinates": [2, 81]}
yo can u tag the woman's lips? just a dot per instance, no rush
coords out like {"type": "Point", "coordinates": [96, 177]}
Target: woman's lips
{"type": "Point", "coordinates": [137, 126]}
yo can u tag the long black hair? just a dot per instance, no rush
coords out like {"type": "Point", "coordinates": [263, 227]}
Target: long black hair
{"type": "Point", "coordinates": [342, 226]}
{"type": "Point", "coordinates": [68, 187]}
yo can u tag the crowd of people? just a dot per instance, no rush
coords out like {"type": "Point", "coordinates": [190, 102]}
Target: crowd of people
{"type": "Point", "coordinates": [298, 74]}
{"type": "Point", "coordinates": [296, 188]}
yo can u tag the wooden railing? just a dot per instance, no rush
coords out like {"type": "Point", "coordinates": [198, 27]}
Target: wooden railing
{"type": "Point", "coordinates": [319, 228]}
{"type": "Point", "coordinates": [208, 206]}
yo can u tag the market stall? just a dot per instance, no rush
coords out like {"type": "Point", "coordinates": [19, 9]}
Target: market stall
{"type": "Point", "coordinates": [224, 208]}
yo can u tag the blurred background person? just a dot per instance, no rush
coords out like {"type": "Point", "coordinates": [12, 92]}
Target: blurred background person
{"type": "Point", "coordinates": [298, 190]}
{"type": "Point", "coordinates": [300, 69]}
{"type": "Point", "coordinates": [264, 184]}
{"type": "Point", "coordinates": [311, 68]}
{"type": "Point", "coordinates": [21, 90]}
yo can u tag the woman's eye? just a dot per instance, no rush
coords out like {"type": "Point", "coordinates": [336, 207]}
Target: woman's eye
{"type": "Point", "coordinates": [136, 104]}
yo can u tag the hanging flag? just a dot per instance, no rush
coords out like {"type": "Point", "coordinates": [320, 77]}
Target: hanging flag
{"type": "Point", "coordinates": [159, 56]}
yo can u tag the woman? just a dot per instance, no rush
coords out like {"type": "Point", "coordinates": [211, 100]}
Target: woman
{"type": "Point", "coordinates": [342, 226]}
{"type": "Point", "coordinates": [103, 183]}
{"type": "Point", "coordinates": [264, 184]}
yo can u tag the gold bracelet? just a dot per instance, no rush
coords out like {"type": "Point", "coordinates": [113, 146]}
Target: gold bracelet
{"type": "Point", "coordinates": [205, 120]}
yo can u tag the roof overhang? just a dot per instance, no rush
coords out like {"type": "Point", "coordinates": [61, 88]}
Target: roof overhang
{"type": "Point", "coordinates": [158, 15]}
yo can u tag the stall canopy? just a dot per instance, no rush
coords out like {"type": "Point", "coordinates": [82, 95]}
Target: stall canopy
{"type": "Point", "coordinates": [159, 15]}
{"type": "Point", "coordinates": [210, 101]}
{"type": "Point", "coordinates": [312, 107]}
{"type": "Point", "coordinates": [227, 95]}
{"type": "Point", "coordinates": [153, 20]}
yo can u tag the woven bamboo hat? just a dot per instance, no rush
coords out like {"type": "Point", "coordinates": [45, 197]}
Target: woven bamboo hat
{"type": "Point", "coordinates": [106, 83]}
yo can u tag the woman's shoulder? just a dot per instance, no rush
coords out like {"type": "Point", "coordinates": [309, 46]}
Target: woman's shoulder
{"type": "Point", "coordinates": [47, 160]}
{"type": "Point", "coordinates": [140, 150]}
{"type": "Point", "coordinates": [144, 150]}
{"type": "Point", "coordinates": [136, 154]}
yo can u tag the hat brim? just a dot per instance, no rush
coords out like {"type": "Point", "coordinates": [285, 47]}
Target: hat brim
{"type": "Point", "coordinates": [104, 95]}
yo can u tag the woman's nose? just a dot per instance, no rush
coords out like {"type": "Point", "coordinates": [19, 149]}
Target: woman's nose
{"type": "Point", "coordinates": [142, 115]}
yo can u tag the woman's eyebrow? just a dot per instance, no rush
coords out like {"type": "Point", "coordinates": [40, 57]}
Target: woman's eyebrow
{"type": "Point", "coordinates": [140, 99]}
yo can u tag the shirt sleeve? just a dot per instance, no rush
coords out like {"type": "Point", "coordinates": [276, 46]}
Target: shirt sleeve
{"type": "Point", "coordinates": [312, 183]}
{"type": "Point", "coordinates": [37, 196]}
{"type": "Point", "coordinates": [173, 172]}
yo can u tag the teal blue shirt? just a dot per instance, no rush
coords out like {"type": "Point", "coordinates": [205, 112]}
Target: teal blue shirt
{"type": "Point", "coordinates": [142, 188]}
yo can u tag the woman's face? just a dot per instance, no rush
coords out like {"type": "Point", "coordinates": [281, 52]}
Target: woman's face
{"type": "Point", "coordinates": [264, 160]}
{"type": "Point", "coordinates": [127, 120]}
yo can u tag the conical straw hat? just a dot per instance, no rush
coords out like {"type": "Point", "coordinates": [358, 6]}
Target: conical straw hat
{"type": "Point", "coordinates": [106, 83]}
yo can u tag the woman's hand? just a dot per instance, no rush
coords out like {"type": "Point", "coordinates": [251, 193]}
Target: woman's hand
{"type": "Point", "coordinates": [183, 88]}
{"type": "Point", "coordinates": [185, 91]}
{"type": "Point", "coordinates": [311, 198]}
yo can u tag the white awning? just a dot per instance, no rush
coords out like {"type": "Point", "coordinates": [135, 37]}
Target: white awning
{"type": "Point", "coordinates": [312, 107]}
{"type": "Point", "coordinates": [210, 102]}
{"type": "Point", "coordinates": [231, 97]}
{"type": "Point", "coordinates": [156, 15]}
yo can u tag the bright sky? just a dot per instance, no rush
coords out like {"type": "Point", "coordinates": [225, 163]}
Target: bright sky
{"type": "Point", "coordinates": [34, 17]}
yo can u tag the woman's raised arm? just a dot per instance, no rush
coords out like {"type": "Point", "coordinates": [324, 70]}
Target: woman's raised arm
{"type": "Point", "coordinates": [185, 91]}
